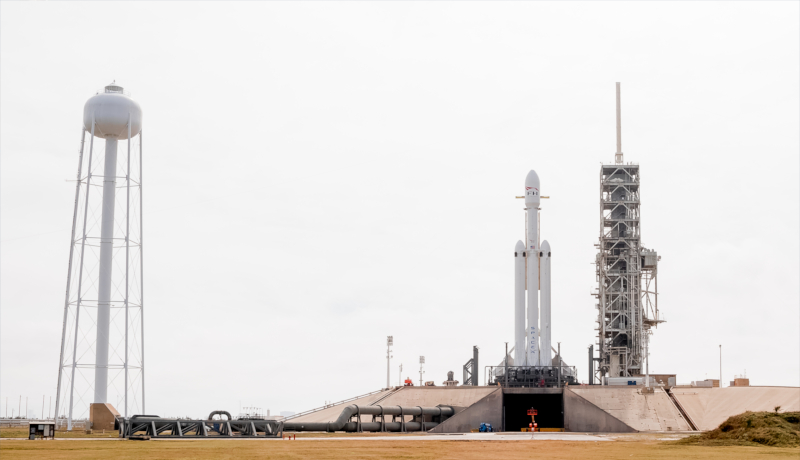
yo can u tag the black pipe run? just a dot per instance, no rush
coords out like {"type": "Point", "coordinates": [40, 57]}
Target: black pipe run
{"type": "Point", "coordinates": [423, 419]}
{"type": "Point", "coordinates": [436, 415]}
{"type": "Point", "coordinates": [157, 427]}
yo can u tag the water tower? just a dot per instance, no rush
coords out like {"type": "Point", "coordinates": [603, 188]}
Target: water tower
{"type": "Point", "coordinates": [102, 344]}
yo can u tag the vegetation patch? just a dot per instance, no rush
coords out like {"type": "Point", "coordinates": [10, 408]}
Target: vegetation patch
{"type": "Point", "coordinates": [776, 429]}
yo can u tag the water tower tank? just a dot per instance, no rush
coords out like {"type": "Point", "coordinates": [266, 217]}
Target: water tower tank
{"type": "Point", "coordinates": [111, 109]}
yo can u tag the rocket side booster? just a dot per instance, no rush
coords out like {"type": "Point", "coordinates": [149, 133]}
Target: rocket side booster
{"type": "Point", "coordinates": [544, 254]}
{"type": "Point", "coordinates": [532, 200]}
{"type": "Point", "coordinates": [519, 303]}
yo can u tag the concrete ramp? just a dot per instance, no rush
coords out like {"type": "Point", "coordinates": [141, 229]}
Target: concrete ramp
{"type": "Point", "coordinates": [332, 412]}
{"type": "Point", "coordinates": [584, 417]}
{"type": "Point", "coordinates": [463, 396]}
{"type": "Point", "coordinates": [488, 409]}
{"type": "Point", "coordinates": [642, 412]}
{"type": "Point", "coordinates": [709, 407]}
{"type": "Point", "coordinates": [458, 397]}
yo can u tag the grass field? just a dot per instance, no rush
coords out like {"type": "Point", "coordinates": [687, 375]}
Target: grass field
{"type": "Point", "coordinates": [629, 447]}
{"type": "Point", "coordinates": [22, 432]}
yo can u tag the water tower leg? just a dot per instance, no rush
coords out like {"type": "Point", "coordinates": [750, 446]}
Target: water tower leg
{"type": "Point", "coordinates": [104, 284]}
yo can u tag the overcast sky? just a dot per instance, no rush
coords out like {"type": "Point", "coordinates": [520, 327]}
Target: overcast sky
{"type": "Point", "coordinates": [318, 176]}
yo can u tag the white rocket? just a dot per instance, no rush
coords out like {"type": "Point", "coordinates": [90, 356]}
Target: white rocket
{"type": "Point", "coordinates": [528, 259]}
{"type": "Point", "coordinates": [544, 257]}
{"type": "Point", "coordinates": [532, 200]}
{"type": "Point", "coordinates": [519, 303]}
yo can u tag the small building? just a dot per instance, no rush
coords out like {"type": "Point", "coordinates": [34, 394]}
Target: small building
{"type": "Point", "coordinates": [665, 380]}
{"type": "Point", "coordinates": [41, 429]}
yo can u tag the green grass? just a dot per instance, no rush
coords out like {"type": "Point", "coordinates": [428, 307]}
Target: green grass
{"type": "Point", "coordinates": [22, 432]}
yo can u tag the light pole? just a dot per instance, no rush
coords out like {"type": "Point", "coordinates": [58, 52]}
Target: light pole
{"type": "Point", "coordinates": [400, 376]}
{"type": "Point", "coordinates": [720, 365]}
{"type": "Point", "coordinates": [389, 343]}
{"type": "Point", "coordinates": [421, 362]}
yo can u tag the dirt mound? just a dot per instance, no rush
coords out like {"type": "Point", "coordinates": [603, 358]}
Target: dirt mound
{"type": "Point", "coordinates": [753, 429]}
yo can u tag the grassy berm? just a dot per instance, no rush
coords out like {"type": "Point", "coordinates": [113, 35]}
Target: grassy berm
{"type": "Point", "coordinates": [752, 429]}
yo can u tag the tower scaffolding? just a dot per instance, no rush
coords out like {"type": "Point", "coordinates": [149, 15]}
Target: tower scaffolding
{"type": "Point", "coordinates": [627, 294]}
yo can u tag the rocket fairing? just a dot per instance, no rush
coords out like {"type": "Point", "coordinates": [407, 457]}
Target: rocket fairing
{"type": "Point", "coordinates": [519, 303]}
{"type": "Point", "coordinates": [532, 200]}
{"type": "Point", "coordinates": [544, 254]}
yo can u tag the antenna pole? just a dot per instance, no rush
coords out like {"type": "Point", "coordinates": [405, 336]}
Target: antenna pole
{"type": "Point", "coordinates": [618, 156]}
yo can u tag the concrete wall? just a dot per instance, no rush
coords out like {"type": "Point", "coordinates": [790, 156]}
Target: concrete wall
{"type": "Point", "coordinates": [435, 396]}
{"type": "Point", "coordinates": [708, 407]}
{"type": "Point", "coordinates": [642, 412]}
{"type": "Point", "coordinates": [581, 415]}
{"type": "Point", "coordinates": [487, 410]}
{"type": "Point", "coordinates": [102, 416]}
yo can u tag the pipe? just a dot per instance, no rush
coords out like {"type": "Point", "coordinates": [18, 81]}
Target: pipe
{"type": "Point", "coordinates": [156, 426]}
{"type": "Point", "coordinates": [475, 368]}
{"type": "Point", "coordinates": [343, 423]}
{"type": "Point", "coordinates": [618, 159]}
{"type": "Point", "coordinates": [104, 282]}
{"type": "Point", "coordinates": [220, 412]}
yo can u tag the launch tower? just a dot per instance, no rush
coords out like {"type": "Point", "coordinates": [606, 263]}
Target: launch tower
{"type": "Point", "coordinates": [627, 291]}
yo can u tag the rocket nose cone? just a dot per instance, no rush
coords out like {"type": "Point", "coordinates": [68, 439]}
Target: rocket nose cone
{"type": "Point", "coordinates": [532, 193]}
{"type": "Point", "coordinates": [545, 247]}
{"type": "Point", "coordinates": [532, 180]}
{"type": "Point", "coordinates": [520, 246]}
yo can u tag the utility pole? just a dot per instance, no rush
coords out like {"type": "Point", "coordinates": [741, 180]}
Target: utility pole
{"type": "Point", "coordinates": [389, 343]}
{"type": "Point", "coordinates": [42, 407]}
{"type": "Point", "coordinates": [19, 408]}
{"type": "Point", "coordinates": [720, 365]}
{"type": "Point", "coordinates": [421, 362]}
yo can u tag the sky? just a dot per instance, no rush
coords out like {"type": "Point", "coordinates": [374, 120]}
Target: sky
{"type": "Point", "coordinates": [320, 175]}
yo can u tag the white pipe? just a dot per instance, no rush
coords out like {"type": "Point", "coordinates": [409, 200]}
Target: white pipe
{"type": "Point", "coordinates": [618, 158]}
{"type": "Point", "coordinates": [141, 270]}
{"type": "Point", "coordinates": [519, 303]}
{"type": "Point", "coordinates": [546, 318]}
{"type": "Point", "coordinates": [532, 200]}
{"type": "Point", "coordinates": [127, 254]}
{"type": "Point", "coordinates": [104, 283]}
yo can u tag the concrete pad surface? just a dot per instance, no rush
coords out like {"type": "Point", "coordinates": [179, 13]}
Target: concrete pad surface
{"type": "Point", "coordinates": [474, 437]}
